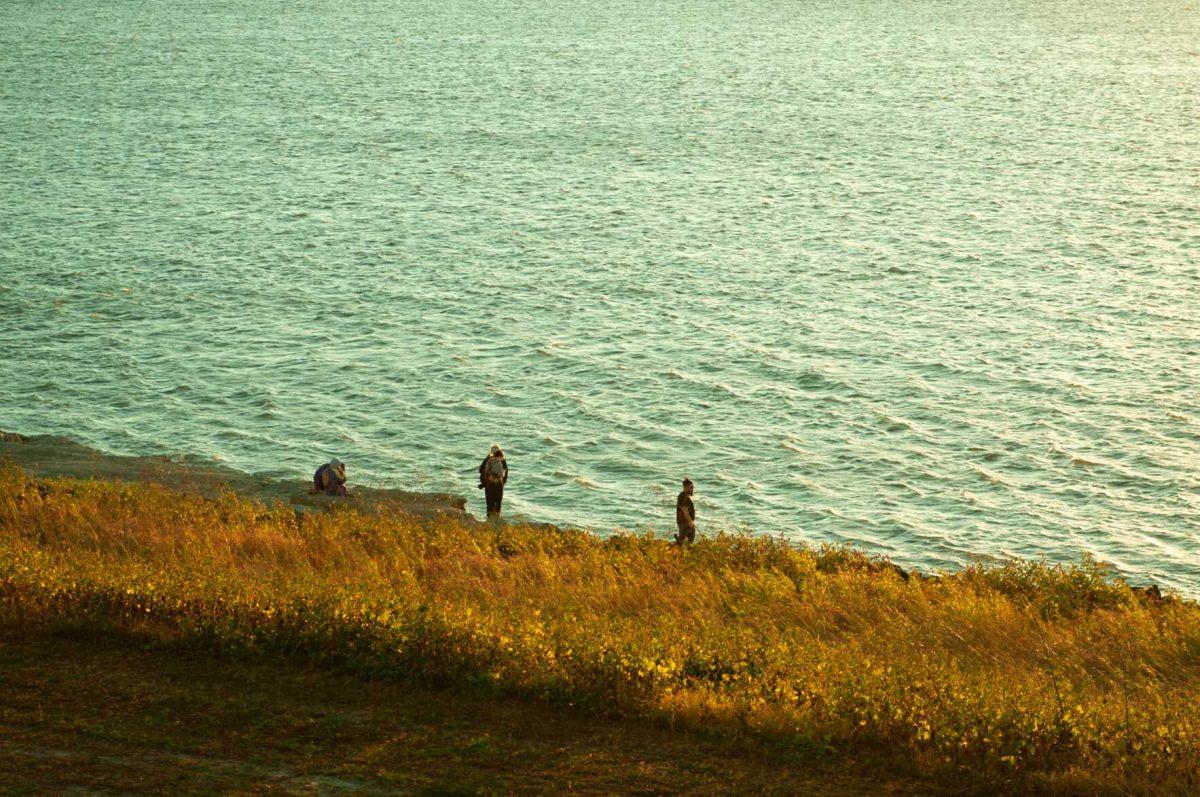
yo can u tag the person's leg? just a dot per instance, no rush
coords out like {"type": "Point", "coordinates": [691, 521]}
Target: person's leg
{"type": "Point", "coordinates": [499, 498]}
{"type": "Point", "coordinates": [489, 493]}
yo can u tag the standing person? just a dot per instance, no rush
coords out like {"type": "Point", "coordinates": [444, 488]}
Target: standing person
{"type": "Point", "coordinates": [493, 474]}
{"type": "Point", "coordinates": [685, 515]}
{"type": "Point", "coordinates": [330, 478]}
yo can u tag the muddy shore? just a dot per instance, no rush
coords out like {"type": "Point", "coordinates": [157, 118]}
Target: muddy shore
{"type": "Point", "coordinates": [50, 456]}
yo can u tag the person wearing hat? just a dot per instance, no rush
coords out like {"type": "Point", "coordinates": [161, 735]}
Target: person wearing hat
{"type": "Point", "coordinates": [685, 515]}
{"type": "Point", "coordinates": [330, 478]}
{"type": "Point", "coordinates": [493, 474]}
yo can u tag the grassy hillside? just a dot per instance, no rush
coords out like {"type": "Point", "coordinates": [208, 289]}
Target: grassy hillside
{"type": "Point", "coordinates": [1025, 676]}
{"type": "Point", "coordinates": [98, 716]}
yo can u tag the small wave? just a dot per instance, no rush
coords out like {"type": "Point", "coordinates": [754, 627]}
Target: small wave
{"type": "Point", "coordinates": [471, 405]}
{"type": "Point", "coordinates": [840, 515]}
{"type": "Point", "coordinates": [766, 353]}
{"type": "Point", "coordinates": [729, 389]}
{"type": "Point", "coordinates": [979, 503]}
{"type": "Point", "coordinates": [1120, 473]}
{"type": "Point", "coordinates": [894, 423]}
{"type": "Point", "coordinates": [990, 476]}
{"type": "Point", "coordinates": [810, 485]}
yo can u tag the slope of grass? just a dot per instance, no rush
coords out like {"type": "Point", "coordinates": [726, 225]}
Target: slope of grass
{"type": "Point", "coordinates": [99, 716]}
{"type": "Point", "coordinates": [1023, 676]}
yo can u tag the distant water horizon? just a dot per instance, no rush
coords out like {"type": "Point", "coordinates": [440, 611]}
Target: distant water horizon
{"type": "Point", "coordinates": [919, 278]}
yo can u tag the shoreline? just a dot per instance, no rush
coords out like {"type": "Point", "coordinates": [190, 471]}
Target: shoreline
{"type": "Point", "coordinates": [52, 456]}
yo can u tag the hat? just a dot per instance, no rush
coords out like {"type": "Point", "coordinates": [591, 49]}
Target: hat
{"type": "Point", "coordinates": [496, 449]}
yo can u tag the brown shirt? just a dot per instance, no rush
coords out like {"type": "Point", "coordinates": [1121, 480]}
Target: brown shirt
{"type": "Point", "coordinates": [685, 510]}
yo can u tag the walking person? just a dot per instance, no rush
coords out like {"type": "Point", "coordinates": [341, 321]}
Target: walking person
{"type": "Point", "coordinates": [493, 475]}
{"type": "Point", "coordinates": [685, 515]}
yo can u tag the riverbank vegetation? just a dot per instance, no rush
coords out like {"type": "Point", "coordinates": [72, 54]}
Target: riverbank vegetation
{"type": "Point", "coordinates": [1022, 675]}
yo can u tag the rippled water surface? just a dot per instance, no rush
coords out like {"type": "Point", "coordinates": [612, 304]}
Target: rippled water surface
{"type": "Point", "coordinates": [922, 276]}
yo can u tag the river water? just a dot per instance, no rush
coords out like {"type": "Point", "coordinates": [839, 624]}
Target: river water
{"type": "Point", "coordinates": [919, 276]}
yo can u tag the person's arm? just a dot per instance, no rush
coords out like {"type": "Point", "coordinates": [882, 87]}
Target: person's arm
{"type": "Point", "coordinates": [505, 481]}
{"type": "Point", "coordinates": [482, 465]}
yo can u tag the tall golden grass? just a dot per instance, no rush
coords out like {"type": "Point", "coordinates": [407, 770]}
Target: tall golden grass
{"type": "Point", "coordinates": [1024, 675]}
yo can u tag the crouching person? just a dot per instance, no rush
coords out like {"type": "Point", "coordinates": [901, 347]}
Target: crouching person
{"type": "Point", "coordinates": [330, 478]}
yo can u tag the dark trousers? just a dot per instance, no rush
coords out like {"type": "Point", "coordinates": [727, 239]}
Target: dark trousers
{"type": "Point", "coordinates": [495, 496]}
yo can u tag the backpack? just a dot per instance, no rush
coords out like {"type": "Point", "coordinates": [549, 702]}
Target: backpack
{"type": "Point", "coordinates": [493, 471]}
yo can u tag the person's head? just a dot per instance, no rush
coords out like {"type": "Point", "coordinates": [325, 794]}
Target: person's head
{"type": "Point", "coordinates": [338, 465]}
{"type": "Point", "coordinates": [688, 486]}
{"type": "Point", "coordinates": [496, 452]}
